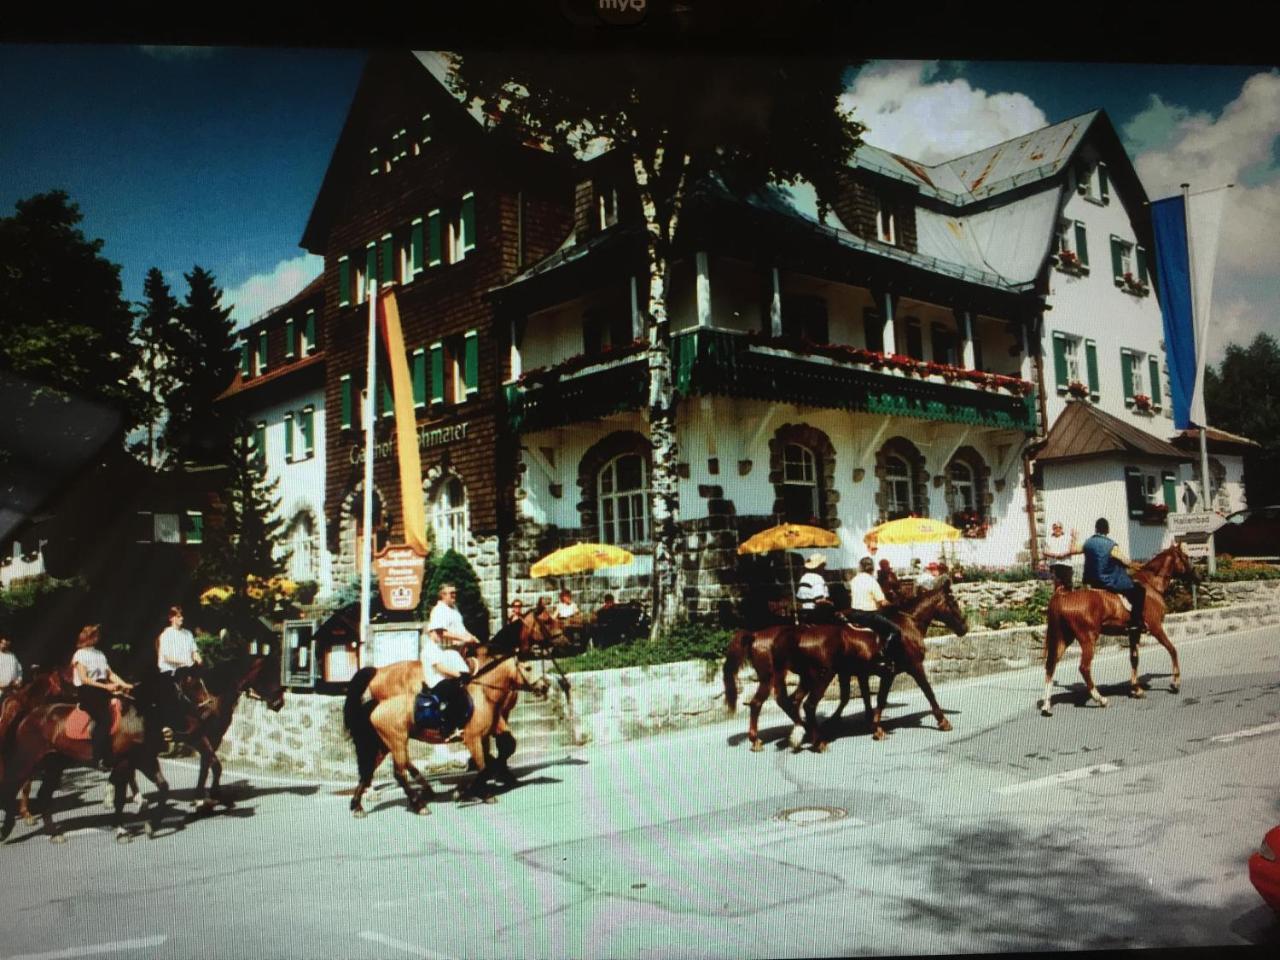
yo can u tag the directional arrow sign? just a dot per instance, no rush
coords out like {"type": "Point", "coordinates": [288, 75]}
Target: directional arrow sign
{"type": "Point", "coordinates": [1199, 522]}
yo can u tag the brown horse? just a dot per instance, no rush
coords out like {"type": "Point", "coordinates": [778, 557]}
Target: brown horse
{"type": "Point", "coordinates": [379, 727]}
{"type": "Point", "coordinates": [255, 677]}
{"type": "Point", "coordinates": [42, 740]}
{"type": "Point", "coordinates": [1087, 613]}
{"type": "Point", "coordinates": [44, 687]}
{"type": "Point", "coordinates": [818, 652]}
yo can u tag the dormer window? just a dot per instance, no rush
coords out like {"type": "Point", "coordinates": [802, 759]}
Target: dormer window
{"type": "Point", "coordinates": [1095, 184]}
{"type": "Point", "coordinates": [607, 203]}
{"type": "Point", "coordinates": [886, 223]}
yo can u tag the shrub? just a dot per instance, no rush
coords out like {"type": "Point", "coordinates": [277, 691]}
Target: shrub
{"type": "Point", "coordinates": [1032, 612]}
{"type": "Point", "coordinates": [1231, 570]}
{"type": "Point", "coordinates": [1020, 574]}
{"type": "Point", "coordinates": [684, 641]}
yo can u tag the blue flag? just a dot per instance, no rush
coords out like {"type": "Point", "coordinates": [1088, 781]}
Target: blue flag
{"type": "Point", "coordinates": [1173, 282]}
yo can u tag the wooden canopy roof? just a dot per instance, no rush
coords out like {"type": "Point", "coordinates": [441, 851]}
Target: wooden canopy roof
{"type": "Point", "coordinates": [1083, 431]}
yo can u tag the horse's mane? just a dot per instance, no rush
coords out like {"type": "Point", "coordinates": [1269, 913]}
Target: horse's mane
{"type": "Point", "coordinates": [507, 639]}
{"type": "Point", "coordinates": [224, 675]}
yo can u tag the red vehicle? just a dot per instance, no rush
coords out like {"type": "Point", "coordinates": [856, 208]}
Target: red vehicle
{"type": "Point", "coordinates": [1264, 871]}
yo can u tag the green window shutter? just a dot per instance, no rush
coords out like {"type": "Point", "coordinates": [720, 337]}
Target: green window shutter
{"type": "Point", "coordinates": [260, 441]}
{"type": "Point", "coordinates": [1091, 361]}
{"type": "Point", "coordinates": [194, 532]}
{"type": "Point", "coordinates": [1142, 264]}
{"type": "Point", "coordinates": [308, 424]}
{"type": "Point", "coordinates": [370, 265]}
{"type": "Point", "coordinates": [1104, 184]}
{"type": "Point", "coordinates": [1136, 490]}
{"type": "Point", "coordinates": [1082, 244]}
{"type": "Point", "coordinates": [435, 246]}
{"type": "Point", "coordinates": [415, 247]}
{"type": "Point", "coordinates": [1117, 261]}
{"type": "Point", "coordinates": [262, 350]}
{"type": "Point", "coordinates": [468, 220]}
{"type": "Point", "coordinates": [344, 282]}
{"type": "Point", "coordinates": [246, 368]}
{"type": "Point", "coordinates": [1170, 490]}
{"type": "Point", "coordinates": [386, 404]}
{"type": "Point", "coordinates": [1154, 366]}
{"type": "Point", "coordinates": [347, 402]}
{"type": "Point", "coordinates": [288, 437]}
{"type": "Point", "coordinates": [471, 362]}
{"type": "Point", "coordinates": [388, 261]}
{"type": "Point", "coordinates": [311, 332]}
{"type": "Point", "coordinates": [1126, 371]}
{"type": "Point", "coordinates": [1060, 361]}
{"type": "Point", "coordinates": [289, 351]}
{"type": "Point", "coordinates": [437, 373]}
{"type": "Point", "coordinates": [420, 377]}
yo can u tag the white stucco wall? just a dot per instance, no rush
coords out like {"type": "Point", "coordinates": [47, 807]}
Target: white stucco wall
{"type": "Point", "coordinates": [1077, 494]}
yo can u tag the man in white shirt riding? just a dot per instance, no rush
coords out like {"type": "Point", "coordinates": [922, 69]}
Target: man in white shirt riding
{"type": "Point", "coordinates": [443, 668]}
{"type": "Point", "coordinates": [176, 647]}
{"type": "Point", "coordinates": [811, 591]}
{"type": "Point", "coordinates": [865, 599]}
{"type": "Point", "coordinates": [10, 668]}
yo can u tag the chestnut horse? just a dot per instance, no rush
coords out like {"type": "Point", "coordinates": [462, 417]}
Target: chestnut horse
{"type": "Point", "coordinates": [44, 687]}
{"type": "Point", "coordinates": [384, 726]}
{"type": "Point", "coordinates": [1086, 613]}
{"type": "Point", "coordinates": [41, 741]}
{"type": "Point", "coordinates": [818, 652]}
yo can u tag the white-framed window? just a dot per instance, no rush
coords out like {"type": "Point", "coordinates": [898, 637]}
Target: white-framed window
{"type": "Point", "coordinates": [307, 430]}
{"type": "Point", "coordinates": [1075, 368]}
{"type": "Point", "coordinates": [167, 528]}
{"type": "Point", "coordinates": [607, 204]}
{"type": "Point", "coordinates": [1095, 184]}
{"type": "Point", "coordinates": [1072, 245]}
{"type": "Point", "coordinates": [424, 134]}
{"type": "Point", "coordinates": [898, 487]}
{"type": "Point", "coordinates": [460, 238]}
{"type": "Point", "coordinates": [622, 492]}
{"type": "Point", "coordinates": [964, 495]}
{"type": "Point", "coordinates": [800, 483]}
{"type": "Point", "coordinates": [886, 222]}
{"type": "Point", "coordinates": [403, 139]}
{"type": "Point", "coordinates": [300, 543]}
{"type": "Point", "coordinates": [449, 515]}
{"type": "Point", "coordinates": [375, 164]}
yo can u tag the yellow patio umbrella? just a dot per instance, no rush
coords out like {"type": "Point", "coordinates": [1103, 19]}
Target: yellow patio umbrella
{"type": "Point", "coordinates": [914, 530]}
{"type": "Point", "coordinates": [580, 558]}
{"type": "Point", "coordinates": [789, 536]}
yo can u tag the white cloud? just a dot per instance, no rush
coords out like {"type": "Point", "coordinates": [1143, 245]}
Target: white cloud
{"type": "Point", "coordinates": [905, 113]}
{"type": "Point", "coordinates": [171, 53]}
{"type": "Point", "coordinates": [265, 291]}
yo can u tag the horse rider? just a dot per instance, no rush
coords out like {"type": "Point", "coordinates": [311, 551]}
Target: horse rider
{"type": "Point", "coordinates": [1058, 546]}
{"type": "Point", "coordinates": [812, 593]}
{"type": "Point", "coordinates": [176, 656]}
{"type": "Point", "coordinates": [440, 660]}
{"type": "Point", "coordinates": [1105, 567]}
{"type": "Point", "coordinates": [10, 668]}
{"type": "Point", "coordinates": [95, 683]}
{"type": "Point", "coordinates": [865, 600]}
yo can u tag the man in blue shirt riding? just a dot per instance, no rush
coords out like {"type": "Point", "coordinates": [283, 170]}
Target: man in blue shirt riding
{"type": "Point", "coordinates": [1105, 567]}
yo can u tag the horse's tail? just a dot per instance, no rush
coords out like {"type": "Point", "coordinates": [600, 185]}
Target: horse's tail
{"type": "Point", "coordinates": [733, 657]}
{"type": "Point", "coordinates": [355, 717]}
{"type": "Point", "coordinates": [1057, 631]}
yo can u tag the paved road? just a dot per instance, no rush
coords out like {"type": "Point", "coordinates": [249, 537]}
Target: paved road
{"type": "Point", "coordinates": [1124, 827]}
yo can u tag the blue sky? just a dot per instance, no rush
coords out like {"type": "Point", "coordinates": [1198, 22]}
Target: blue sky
{"type": "Point", "coordinates": [180, 156]}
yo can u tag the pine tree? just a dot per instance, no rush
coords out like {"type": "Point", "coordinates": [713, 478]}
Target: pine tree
{"type": "Point", "coordinates": [201, 347]}
{"type": "Point", "coordinates": [454, 568]}
{"type": "Point", "coordinates": [157, 320]}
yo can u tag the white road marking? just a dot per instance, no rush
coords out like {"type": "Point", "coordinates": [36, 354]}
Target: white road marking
{"type": "Point", "coordinates": [1064, 777]}
{"type": "Point", "coordinates": [381, 938]}
{"type": "Point", "coordinates": [1241, 734]}
{"type": "Point", "coordinates": [93, 949]}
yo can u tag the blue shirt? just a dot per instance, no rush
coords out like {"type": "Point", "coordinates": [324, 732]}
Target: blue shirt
{"type": "Point", "coordinates": [1100, 568]}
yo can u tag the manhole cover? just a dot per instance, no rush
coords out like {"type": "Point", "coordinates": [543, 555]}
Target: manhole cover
{"type": "Point", "coordinates": [807, 816]}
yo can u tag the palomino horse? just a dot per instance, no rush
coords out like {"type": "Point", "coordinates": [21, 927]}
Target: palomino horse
{"type": "Point", "coordinates": [45, 739]}
{"type": "Point", "coordinates": [255, 677]}
{"type": "Point", "coordinates": [385, 726]}
{"type": "Point", "coordinates": [1086, 613]}
{"type": "Point", "coordinates": [45, 687]}
{"type": "Point", "coordinates": [817, 652]}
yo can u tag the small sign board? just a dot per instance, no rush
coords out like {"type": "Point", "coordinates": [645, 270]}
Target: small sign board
{"type": "Point", "coordinates": [1197, 551]}
{"type": "Point", "coordinates": [1197, 522]}
{"type": "Point", "coordinates": [400, 569]}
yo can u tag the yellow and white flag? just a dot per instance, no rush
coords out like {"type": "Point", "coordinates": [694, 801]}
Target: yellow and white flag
{"type": "Point", "coordinates": [407, 454]}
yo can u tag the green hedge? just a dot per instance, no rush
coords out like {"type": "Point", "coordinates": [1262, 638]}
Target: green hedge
{"type": "Point", "coordinates": [684, 641]}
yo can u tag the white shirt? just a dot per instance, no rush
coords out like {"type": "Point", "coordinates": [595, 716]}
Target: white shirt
{"type": "Point", "coordinates": [177, 649]}
{"type": "Point", "coordinates": [433, 654]}
{"type": "Point", "coordinates": [566, 610]}
{"type": "Point", "coordinates": [94, 662]}
{"type": "Point", "coordinates": [447, 618]}
{"type": "Point", "coordinates": [10, 670]}
{"type": "Point", "coordinates": [865, 593]}
{"type": "Point", "coordinates": [812, 587]}
{"type": "Point", "coordinates": [1059, 545]}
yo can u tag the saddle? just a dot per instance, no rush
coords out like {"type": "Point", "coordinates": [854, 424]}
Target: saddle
{"type": "Point", "coordinates": [1124, 601]}
{"type": "Point", "coordinates": [79, 724]}
{"type": "Point", "coordinates": [440, 713]}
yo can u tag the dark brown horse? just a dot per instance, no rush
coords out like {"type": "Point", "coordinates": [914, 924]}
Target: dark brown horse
{"type": "Point", "coordinates": [46, 686]}
{"type": "Point", "coordinates": [43, 740]}
{"type": "Point", "coordinates": [383, 726]}
{"type": "Point", "coordinates": [255, 677]}
{"type": "Point", "coordinates": [1087, 613]}
{"type": "Point", "coordinates": [819, 652]}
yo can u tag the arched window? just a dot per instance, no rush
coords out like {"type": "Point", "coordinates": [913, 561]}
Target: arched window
{"type": "Point", "coordinates": [300, 542]}
{"type": "Point", "coordinates": [898, 484]}
{"type": "Point", "coordinates": [449, 518]}
{"type": "Point", "coordinates": [799, 484]}
{"type": "Point", "coordinates": [622, 494]}
{"type": "Point", "coordinates": [964, 493]}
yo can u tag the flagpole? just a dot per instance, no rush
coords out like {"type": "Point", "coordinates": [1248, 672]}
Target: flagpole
{"type": "Point", "coordinates": [1201, 354]}
{"type": "Point", "coordinates": [371, 394]}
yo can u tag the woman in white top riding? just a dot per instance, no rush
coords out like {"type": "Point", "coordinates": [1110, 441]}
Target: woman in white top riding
{"type": "Point", "coordinates": [95, 684]}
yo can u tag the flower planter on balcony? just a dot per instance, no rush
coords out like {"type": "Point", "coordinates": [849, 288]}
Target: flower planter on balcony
{"type": "Point", "coordinates": [1132, 285]}
{"type": "Point", "coordinates": [1067, 262]}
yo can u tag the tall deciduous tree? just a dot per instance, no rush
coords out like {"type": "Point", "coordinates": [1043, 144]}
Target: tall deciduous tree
{"type": "Point", "coordinates": [200, 349]}
{"type": "Point", "coordinates": [157, 322]}
{"type": "Point", "coordinates": [1242, 396]}
{"type": "Point", "coordinates": [751, 120]}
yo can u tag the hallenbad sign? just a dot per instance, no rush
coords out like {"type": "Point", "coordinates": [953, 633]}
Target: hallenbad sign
{"type": "Point", "coordinates": [428, 437]}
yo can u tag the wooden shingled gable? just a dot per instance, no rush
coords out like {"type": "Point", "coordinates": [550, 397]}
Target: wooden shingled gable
{"type": "Point", "coordinates": [1083, 431]}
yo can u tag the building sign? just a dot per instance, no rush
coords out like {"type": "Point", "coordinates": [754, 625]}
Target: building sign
{"type": "Point", "coordinates": [428, 436]}
{"type": "Point", "coordinates": [399, 569]}
{"type": "Point", "coordinates": [1201, 522]}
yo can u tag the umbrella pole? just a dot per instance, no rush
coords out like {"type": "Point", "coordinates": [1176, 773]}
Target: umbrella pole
{"type": "Point", "coordinates": [795, 611]}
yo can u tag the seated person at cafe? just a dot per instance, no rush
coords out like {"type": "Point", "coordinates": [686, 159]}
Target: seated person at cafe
{"type": "Point", "coordinates": [888, 581]}
{"type": "Point", "coordinates": [516, 611]}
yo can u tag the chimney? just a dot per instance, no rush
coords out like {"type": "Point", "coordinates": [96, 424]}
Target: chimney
{"type": "Point", "coordinates": [585, 222]}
